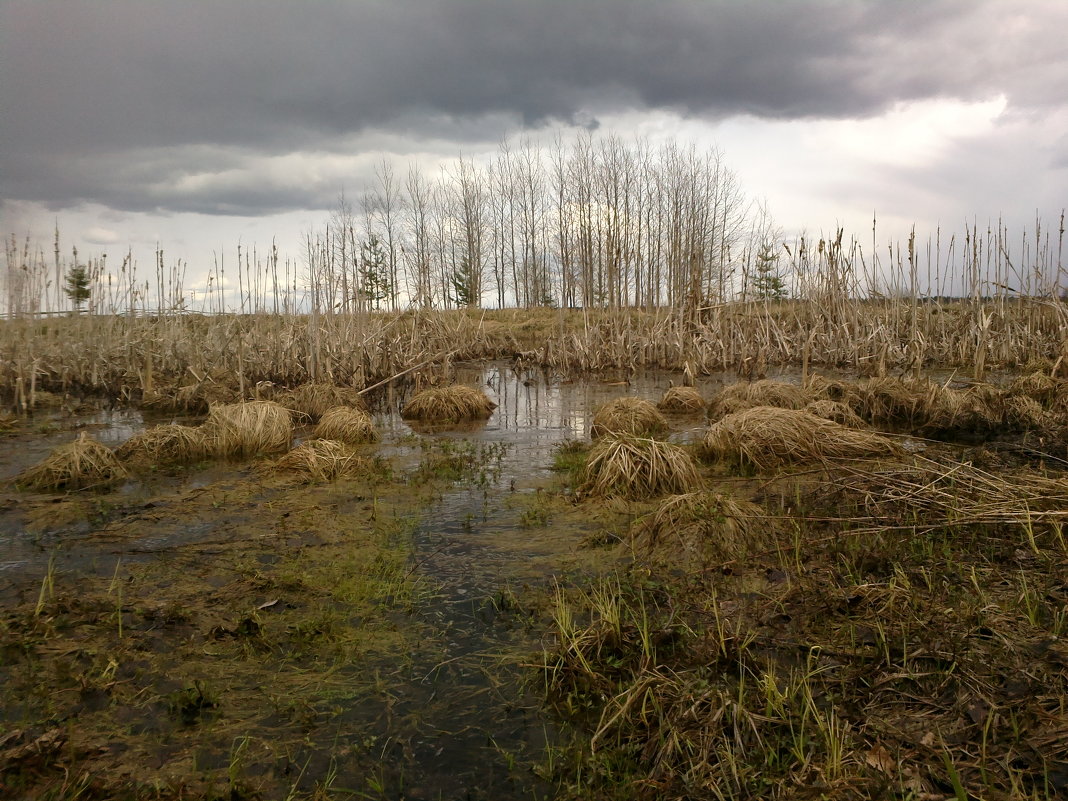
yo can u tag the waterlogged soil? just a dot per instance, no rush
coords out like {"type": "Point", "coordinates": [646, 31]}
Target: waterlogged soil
{"type": "Point", "coordinates": [228, 631]}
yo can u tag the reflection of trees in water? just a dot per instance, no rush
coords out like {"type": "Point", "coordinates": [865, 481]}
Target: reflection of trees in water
{"type": "Point", "coordinates": [532, 400]}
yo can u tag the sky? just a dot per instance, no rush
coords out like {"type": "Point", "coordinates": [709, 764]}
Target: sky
{"type": "Point", "coordinates": [200, 125]}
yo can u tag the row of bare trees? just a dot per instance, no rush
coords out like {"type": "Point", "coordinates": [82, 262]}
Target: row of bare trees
{"type": "Point", "coordinates": [594, 222]}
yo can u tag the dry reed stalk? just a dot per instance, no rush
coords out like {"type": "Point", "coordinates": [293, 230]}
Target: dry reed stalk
{"type": "Point", "coordinates": [767, 437]}
{"type": "Point", "coordinates": [628, 415]}
{"type": "Point", "coordinates": [681, 400]}
{"type": "Point", "coordinates": [835, 411]}
{"type": "Point", "coordinates": [314, 400]}
{"type": "Point", "coordinates": [166, 444]}
{"type": "Point", "coordinates": [766, 392]}
{"type": "Point", "coordinates": [949, 494]}
{"type": "Point", "coordinates": [323, 460]}
{"type": "Point", "coordinates": [246, 429]}
{"type": "Point", "coordinates": [637, 468]}
{"type": "Point", "coordinates": [348, 425]}
{"type": "Point", "coordinates": [81, 464]}
{"type": "Point", "coordinates": [452, 404]}
{"type": "Point", "coordinates": [703, 527]}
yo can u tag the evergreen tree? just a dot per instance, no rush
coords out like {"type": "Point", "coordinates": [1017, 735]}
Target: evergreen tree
{"type": "Point", "coordinates": [463, 283]}
{"type": "Point", "coordinates": [768, 283]}
{"type": "Point", "coordinates": [375, 279]}
{"type": "Point", "coordinates": [77, 285]}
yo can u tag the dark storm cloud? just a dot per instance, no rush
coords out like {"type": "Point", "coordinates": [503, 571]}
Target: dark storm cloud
{"type": "Point", "coordinates": [88, 86]}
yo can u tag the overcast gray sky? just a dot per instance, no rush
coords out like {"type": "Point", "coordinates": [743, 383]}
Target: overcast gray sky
{"type": "Point", "coordinates": [200, 124]}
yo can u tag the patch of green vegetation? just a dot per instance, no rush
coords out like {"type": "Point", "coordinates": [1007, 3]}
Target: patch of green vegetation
{"type": "Point", "coordinates": [452, 460]}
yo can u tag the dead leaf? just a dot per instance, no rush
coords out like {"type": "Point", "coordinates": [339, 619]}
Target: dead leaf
{"type": "Point", "coordinates": [880, 759]}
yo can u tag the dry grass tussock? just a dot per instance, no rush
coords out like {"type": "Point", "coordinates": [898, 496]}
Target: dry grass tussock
{"type": "Point", "coordinates": [628, 415]}
{"type": "Point", "coordinates": [637, 468]}
{"type": "Point", "coordinates": [767, 437]}
{"type": "Point", "coordinates": [836, 412]}
{"type": "Point", "coordinates": [314, 400]}
{"type": "Point", "coordinates": [197, 397]}
{"type": "Point", "coordinates": [81, 464]}
{"type": "Point", "coordinates": [323, 460]}
{"type": "Point", "coordinates": [246, 429]}
{"type": "Point", "coordinates": [681, 400]}
{"type": "Point", "coordinates": [746, 395]}
{"type": "Point", "coordinates": [926, 407]}
{"type": "Point", "coordinates": [348, 425]}
{"type": "Point", "coordinates": [699, 528]}
{"type": "Point", "coordinates": [452, 404]}
{"type": "Point", "coordinates": [166, 444]}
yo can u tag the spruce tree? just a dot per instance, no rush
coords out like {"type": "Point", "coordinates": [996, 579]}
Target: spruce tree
{"type": "Point", "coordinates": [77, 285]}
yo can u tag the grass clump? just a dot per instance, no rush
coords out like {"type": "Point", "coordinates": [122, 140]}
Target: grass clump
{"type": "Point", "coordinates": [81, 464]}
{"type": "Point", "coordinates": [348, 425]}
{"type": "Point", "coordinates": [637, 468]}
{"type": "Point", "coordinates": [452, 404]}
{"type": "Point", "coordinates": [681, 400]}
{"type": "Point", "coordinates": [767, 437]}
{"type": "Point", "coordinates": [701, 527]}
{"type": "Point", "coordinates": [323, 460]}
{"type": "Point", "coordinates": [166, 444]}
{"type": "Point", "coordinates": [835, 411]}
{"type": "Point", "coordinates": [314, 400]}
{"type": "Point", "coordinates": [628, 415]}
{"type": "Point", "coordinates": [765, 392]}
{"type": "Point", "coordinates": [245, 429]}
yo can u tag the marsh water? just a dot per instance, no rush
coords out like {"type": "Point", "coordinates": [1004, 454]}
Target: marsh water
{"type": "Point", "coordinates": [452, 719]}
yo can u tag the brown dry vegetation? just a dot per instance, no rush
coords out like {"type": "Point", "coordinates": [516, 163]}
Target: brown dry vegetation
{"type": "Point", "coordinates": [323, 460]}
{"type": "Point", "coordinates": [348, 425]}
{"type": "Point", "coordinates": [166, 444]}
{"type": "Point", "coordinates": [81, 464]}
{"type": "Point", "coordinates": [637, 467]}
{"type": "Point", "coordinates": [193, 360]}
{"type": "Point", "coordinates": [767, 437]}
{"type": "Point", "coordinates": [628, 415]}
{"type": "Point", "coordinates": [313, 400]}
{"type": "Point", "coordinates": [246, 429]}
{"type": "Point", "coordinates": [452, 404]}
{"type": "Point", "coordinates": [681, 400]}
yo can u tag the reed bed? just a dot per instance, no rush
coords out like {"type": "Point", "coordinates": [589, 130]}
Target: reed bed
{"type": "Point", "coordinates": [767, 437]}
{"type": "Point", "coordinates": [170, 357]}
{"type": "Point", "coordinates": [81, 464]}
{"type": "Point", "coordinates": [313, 400]}
{"type": "Point", "coordinates": [636, 468]}
{"type": "Point", "coordinates": [241, 430]}
{"type": "Point", "coordinates": [628, 415]}
{"type": "Point", "coordinates": [348, 425]}
{"type": "Point", "coordinates": [703, 527]}
{"type": "Point", "coordinates": [166, 444]}
{"type": "Point", "coordinates": [681, 400]}
{"type": "Point", "coordinates": [323, 460]}
{"type": "Point", "coordinates": [451, 404]}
